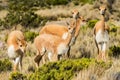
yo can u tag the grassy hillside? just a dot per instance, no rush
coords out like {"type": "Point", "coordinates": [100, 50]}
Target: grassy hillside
{"type": "Point", "coordinates": [31, 15]}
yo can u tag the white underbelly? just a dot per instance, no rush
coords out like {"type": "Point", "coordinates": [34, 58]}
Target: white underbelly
{"type": "Point", "coordinates": [11, 52]}
{"type": "Point", "coordinates": [102, 36]}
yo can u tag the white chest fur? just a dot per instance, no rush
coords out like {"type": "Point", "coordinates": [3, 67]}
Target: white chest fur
{"type": "Point", "coordinates": [102, 36]}
{"type": "Point", "coordinates": [65, 35]}
{"type": "Point", "coordinates": [11, 52]}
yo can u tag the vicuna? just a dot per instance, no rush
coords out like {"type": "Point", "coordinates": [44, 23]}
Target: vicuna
{"type": "Point", "coordinates": [52, 44]}
{"type": "Point", "coordinates": [16, 48]}
{"type": "Point", "coordinates": [101, 32]}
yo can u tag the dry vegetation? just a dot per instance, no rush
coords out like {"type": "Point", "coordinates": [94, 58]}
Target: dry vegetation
{"type": "Point", "coordinates": [84, 46]}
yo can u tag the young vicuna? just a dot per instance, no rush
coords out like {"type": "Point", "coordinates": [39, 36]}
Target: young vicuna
{"type": "Point", "coordinates": [16, 48]}
{"type": "Point", "coordinates": [101, 35]}
{"type": "Point", "coordinates": [52, 44]}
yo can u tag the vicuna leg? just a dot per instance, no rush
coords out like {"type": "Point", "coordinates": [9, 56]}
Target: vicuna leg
{"type": "Point", "coordinates": [99, 49]}
{"type": "Point", "coordinates": [16, 63]}
{"type": "Point", "coordinates": [20, 63]}
{"type": "Point", "coordinates": [97, 46]}
{"type": "Point", "coordinates": [50, 56]}
{"type": "Point", "coordinates": [68, 52]}
{"type": "Point", "coordinates": [104, 46]}
{"type": "Point", "coordinates": [37, 59]}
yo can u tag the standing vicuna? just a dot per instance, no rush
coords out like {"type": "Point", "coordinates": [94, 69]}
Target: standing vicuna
{"type": "Point", "coordinates": [16, 48]}
{"type": "Point", "coordinates": [53, 45]}
{"type": "Point", "coordinates": [60, 30]}
{"type": "Point", "coordinates": [101, 32]}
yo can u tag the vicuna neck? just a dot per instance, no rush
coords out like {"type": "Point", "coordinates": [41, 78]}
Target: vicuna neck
{"type": "Point", "coordinates": [103, 18]}
{"type": "Point", "coordinates": [103, 22]}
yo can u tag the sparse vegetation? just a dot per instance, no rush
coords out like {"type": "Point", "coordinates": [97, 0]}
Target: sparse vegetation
{"type": "Point", "coordinates": [5, 65]}
{"type": "Point", "coordinates": [17, 76]}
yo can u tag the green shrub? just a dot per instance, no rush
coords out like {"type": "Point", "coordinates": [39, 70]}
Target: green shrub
{"type": "Point", "coordinates": [29, 35]}
{"type": "Point", "coordinates": [5, 65]}
{"type": "Point", "coordinates": [76, 2]}
{"type": "Point", "coordinates": [27, 19]}
{"type": "Point", "coordinates": [61, 70]}
{"type": "Point", "coordinates": [114, 51]}
{"type": "Point", "coordinates": [92, 23]}
{"type": "Point", "coordinates": [25, 5]}
{"type": "Point", "coordinates": [17, 76]}
{"type": "Point", "coordinates": [65, 69]}
{"type": "Point", "coordinates": [113, 29]}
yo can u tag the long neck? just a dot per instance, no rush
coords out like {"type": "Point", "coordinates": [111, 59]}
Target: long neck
{"type": "Point", "coordinates": [103, 21]}
{"type": "Point", "coordinates": [77, 27]}
{"type": "Point", "coordinates": [103, 18]}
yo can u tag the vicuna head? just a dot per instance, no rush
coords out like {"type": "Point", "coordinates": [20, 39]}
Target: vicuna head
{"type": "Point", "coordinates": [75, 14]}
{"type": "Point", "coordinates": [102, 9]}
{"type": "Point", "coordinates": [21, 44]}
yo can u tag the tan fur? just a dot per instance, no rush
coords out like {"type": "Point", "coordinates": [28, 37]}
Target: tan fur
{"type": "Point", "coordinates": [17, 40]}
{"type": "Point", "coordinates": [103, 27]}
{"type": "Point", "coordinates": [59, 30]}
{"type": "Point", "coordinates": [54, 29]}
{"type": "Point", "coordinates": [50, 43]}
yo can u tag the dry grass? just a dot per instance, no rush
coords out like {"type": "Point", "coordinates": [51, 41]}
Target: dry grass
{"type": "Point", "coordinates": [84, 46]}
{"type": "Point", "coordinates": [96, 73]}
{"type": "Point", "coordinates": [3, 14]}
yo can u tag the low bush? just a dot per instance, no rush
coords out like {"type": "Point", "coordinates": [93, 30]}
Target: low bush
{"type": "Point", "coordinates": [17, 76]}
{"type": "Point", "coordinates": [27, 19]}
{"type": "Point", "coordinates": [5, 65]}
{"type": "Point", "coordinates": [113, 29]}
{"type": "Point", "coordinates": [24, 5]}
{"type": "Point", "coordinates": [29, 35]}
{"type": "Point", "coordinates": [64, 69]}
{"type": "Point", "coordinates": [114, 51]}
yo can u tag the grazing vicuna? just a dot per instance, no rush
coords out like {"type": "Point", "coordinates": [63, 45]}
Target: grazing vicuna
{"type": "Point", "coordinates": [16, 48]}
{"type": "Point", "coordinates": [101, 32]}
{"type": "Point", "coordinates": [52, 44]}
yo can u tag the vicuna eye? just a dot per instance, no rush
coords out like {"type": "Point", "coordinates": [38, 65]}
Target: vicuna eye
{"type": "Point", "coordinates": [20, 45]}
{"type": "Point", "coordinates": [83, 20]}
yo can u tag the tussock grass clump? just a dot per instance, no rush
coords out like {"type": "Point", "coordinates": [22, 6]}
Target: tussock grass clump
{"type": "Point", "coordinates": [61, 70]}
{"type": "Point", "coordinates": [29, 35]}
{"type": "Point", "coordinates": [5, 65]}
{"type": "Point", "coordinates": [114, 51]}
{"type": "Point", "coordinates": [17, 76]}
